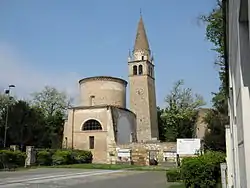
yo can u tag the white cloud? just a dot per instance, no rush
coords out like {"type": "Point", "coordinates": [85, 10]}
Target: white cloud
{"type": "Point", "coordinates": [14, 69]}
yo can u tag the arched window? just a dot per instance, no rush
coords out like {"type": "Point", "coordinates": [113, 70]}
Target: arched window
{"type": "Point", "coordinates": [91, 125]}
{"type": "Point", "coordinates": [140, 69]}
{"type": "Point", "coordinates": [134, 70]}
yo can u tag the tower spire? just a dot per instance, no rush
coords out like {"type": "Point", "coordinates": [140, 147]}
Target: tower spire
{"type": "Point", "coordinates": [142, 87]}
{"type": "Point", "coordinates": [141, 41]}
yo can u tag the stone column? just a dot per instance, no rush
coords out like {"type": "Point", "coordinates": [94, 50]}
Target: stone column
{"type": "Point", "coordinates": [14, 147]}
{"type": "Point", "coordinates": [223, 169]}
{"type": "Point", "coordinates": [31, 156]}
{"type": "Point", "coordinates": [229, 158]}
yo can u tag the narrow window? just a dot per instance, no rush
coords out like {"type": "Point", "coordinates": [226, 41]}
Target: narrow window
{"type": "Point", "coordinates": [92, 97]}
{"type": "Point", "coordinates": [140, 69]}
{"type": "Point", "coordinates": [142, 58]}
{"type": "Point", "coordinates": [91, 142]}
{"type": "Point", "coordinates": [134, 70]}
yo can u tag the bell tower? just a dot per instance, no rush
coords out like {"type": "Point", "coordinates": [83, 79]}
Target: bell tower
{"type": "Point", "coordinates": [142, 87]}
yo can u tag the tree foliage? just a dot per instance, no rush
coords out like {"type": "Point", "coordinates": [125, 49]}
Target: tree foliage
{"type": "Point", "coordinates": [23, 122]}
{"type": "Point", "coordinates": [178, 118]}
{"type": "Point", "coordinates": [51, 101]}
{"type": "Point", "coordinates": [161, 125]}
{"type": "Point", "coordinates": [215, 135]}
{"type": "Point", "coordinates": [4, 101]}
{"type": "Point", "coordinates": [217, 118]}
{"type": "Point", "coordinates": [38, 122]}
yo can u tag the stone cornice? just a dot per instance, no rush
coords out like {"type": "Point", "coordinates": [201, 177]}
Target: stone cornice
{"type": "Point", "coordinates": [100, 106]}
{"type": "Point", "coordinates": [104, 78]}
{"type": "Point", "coordinates": [142, 61]}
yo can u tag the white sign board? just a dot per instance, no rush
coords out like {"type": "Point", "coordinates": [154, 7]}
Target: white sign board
{"type": "Point", "coordinates": [188, 146]}
{"type": "Point", "coordinates": [124, 153]}
{"type": "Point", "coordinates": [169, 154]}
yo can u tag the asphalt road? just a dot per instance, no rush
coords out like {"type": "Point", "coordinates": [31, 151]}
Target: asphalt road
{"type": "Point", "coordinates": [78, 178]}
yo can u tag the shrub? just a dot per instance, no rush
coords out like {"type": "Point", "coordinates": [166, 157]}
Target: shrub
{"type": "Point", "coordinates": [202, 171]}
{"type": "Point", "coordinates": [81, 156]}
{"type": "Point", "coordinates": [12, 157]}
{"type": "Point", "coordinates": [19, 158]}
{"type": "Point", "coordinates": [173, 175]}
{"type": "Point", "coordinates": [44, 157]}
{"type": "Point", "coordinates": [62, 157]}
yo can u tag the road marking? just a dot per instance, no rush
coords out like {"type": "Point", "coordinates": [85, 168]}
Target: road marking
{"type": "Point", "coordinates": [37, 177]}
{"type": "Point", "coordinates": [17, 178]}
{"type": "Point", "coordinates": [56, 177]}
{"type": "Point", "coordinates": [77, 176]}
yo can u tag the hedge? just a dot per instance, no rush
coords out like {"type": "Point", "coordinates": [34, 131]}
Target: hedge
{"type": "Point", "coordinates": [44, 157]}
{"type": "Point", "coordinates": [63, 157]}
{"type": "Point", "coordinates": [16, 158]}
{"type": "Point", "coordinates": [202, 171]}
{"type": "Point", "coordinates": [82, 156]}
{"type": "Point", "coordinates": [173, 175]}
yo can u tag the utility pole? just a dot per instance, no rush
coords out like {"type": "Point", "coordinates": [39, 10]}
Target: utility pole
{"type": "Point", "coordinates": [7, 92]}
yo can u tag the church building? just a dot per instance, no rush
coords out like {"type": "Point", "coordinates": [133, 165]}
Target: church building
{"type": "Point", "coordinates": [102, 122]}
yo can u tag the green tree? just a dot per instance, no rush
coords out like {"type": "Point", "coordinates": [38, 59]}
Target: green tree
{"type": "Point", "coordinates": [51, 101]}
{"type": "Point", "coordinates": [53, 105]}
{"type": "Point", "coordinates": [179, 117]}
{"type": "Point", "coordinates": [161, 124]}
{"type": "Point", "coordinates": [19, 123]}
{"type": "Point", "coordinates": [5, 100]}
{"type": "Point", "coordinates": [54, 128]}
{"type": "Point", "coordinates": [23, 121]}
{"type": "Point", "coordinates": [217, 118]}
{"type": "Point", "coordinates": [215, 135]}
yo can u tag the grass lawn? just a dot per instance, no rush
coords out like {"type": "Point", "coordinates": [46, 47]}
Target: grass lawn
{"type": "Point", "coordinates": [181, 185]}
{"type": "Point", "coordinates": [100, 166]}
{"type": "Point", "coordinates": [18, 169]}
{"type": "Point", "coordinates": [111, 167]}
{"type": "Point", "coordinates": [177, 186]}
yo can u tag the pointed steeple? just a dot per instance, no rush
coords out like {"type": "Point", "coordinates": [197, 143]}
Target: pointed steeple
{"type": "Point", "coordinates": [141, 41]}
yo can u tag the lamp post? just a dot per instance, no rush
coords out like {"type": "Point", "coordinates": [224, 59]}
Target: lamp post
{"type": "Point", "coordinates": [7, 92]}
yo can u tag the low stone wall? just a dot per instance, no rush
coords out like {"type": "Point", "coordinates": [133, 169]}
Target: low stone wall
{"type": "Point", "coordinates": [142, 152]}
{"type": "Point", "coordinates": [139, 156]}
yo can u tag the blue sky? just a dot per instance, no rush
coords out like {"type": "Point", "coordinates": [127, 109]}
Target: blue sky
{"type": "Point", "coordinates": [44, 42]}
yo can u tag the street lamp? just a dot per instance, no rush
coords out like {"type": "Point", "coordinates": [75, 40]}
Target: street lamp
{"type": "Point", "coordinates": [7, 92]}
